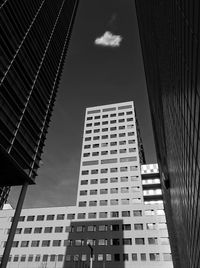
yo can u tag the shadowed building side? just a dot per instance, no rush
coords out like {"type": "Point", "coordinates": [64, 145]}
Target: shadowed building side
{"type": "Point", "coordinates": [34, 41]}
{"type": "Point", "coordinates": [169, 33]}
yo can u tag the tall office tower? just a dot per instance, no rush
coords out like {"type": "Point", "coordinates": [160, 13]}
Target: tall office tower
{"type": "Point", "coordinates": [170, 32]}
{"type": "Point", "coordinates": [34, 39]}
{"type": "Point", "coordinates": [119, 213]}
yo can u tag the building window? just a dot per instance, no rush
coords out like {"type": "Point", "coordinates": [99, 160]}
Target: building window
{"type": "Point", "coordinates": [92, 242]}
{"type": "Point", "coordinates": [104, 137]}
{"type": "Point", "coordinates": [92, 215]}
{"type": "Point", "coordinates": [154, 256]}
{"type": "Point", "coordinates": [137, 213]}
{"type": "Point", "coordinates": [113, 143]}
{"type": "Point", "coordinates": [122, 151]}
{"type": "Point", "coordinates": [50, 217]}
{"type": "Point", "coordinates": [124, 190]}
{"type": "Point", "coordinates": [108, 161]}
{"type": "Point", "coordinates": [45, 258]}
{"type": "Point", "coordinates": [81, 215]}
{"type": "Point", "coordinates": [122, 142]}
{"type": "Point", "coordinates": [114, 227]}
{"type": "Point", "coordinates": [103, 228]}
{"type": "Point", "coordinates": [58, 229]}
{"type": "Point", "coordinates": [126, 213]}
{"type": "Point", "coordinates": [125, 257]}
{"type": "Point", "coordinates": [23, 258]}
{"type": "Point", "coordinates": [138, 226]}
{"type": "Point", "coordinates": [115, 242]}
{"type": "Point", "coordinates": [97, 117]}
{"type": "Point", "coordinates": [18, 231]}
{"type": "Point", "coordinates": [27, 230]}
{"type": "Point", "coordinates": [90, 163]}
{"type": "Point", "coordinates": [139, 241]}
{"type": "Point", "coordinates": [22, 218]}
{"type": "Point", "coordinates": [37, 230]}
{"type": "Point", "coordinates": [93, 192]}
{"type": "Point", "coordinates": [15, 244]}
{"type": "Point", "coordinates": [84, 182]}
{"type": "Point", "coordinates": [123, 169]}
{"type": "Point", "coordinates": [104, 152]}
{"type": "Point", "coordinates": [30, 258]}
{"type": "Point", "coordinates": [102, 242]}
{"type": "Point", "coordinates": [87, 146]}
{"type": "Point", "coordinates": [16, 258]}
{"type": "Point", "coordinates": [24, 244]}
{"type": "Point", "coordinates": [97, 124]}
{"type": "Point", "coordinates": [87, 138]}
{"type": "Point", "coordinates": [126, 227]}
{"type": "Point", "coordinates": [103, 180]}
{"type": "Point", "coordinates": [48, 230]}
{"type": "Point", "coordinates": [83, 192]}
{"type": "Point", "coordinates": [114, 202]}
{"type": "Point", "coordinates": [92, 203]}
{"type": "Point", "coordinates": [95, 153]}
{"type": "Point", "coordinates": [70, 216]}
{"type": "Point", "coordinates": [104, 170]}
{"type": "Point", "coordinates": [96, 138]}
{"type": "Point", "coordinates": [104, 129]}
{"type": "Point", "coordinates": [143, 256]}
{"type": "Point", "coordinates": [127, 241]}
{"type": "Point", "coordinates": [113, 170]}
{"type": "Point", "coordinates": [84, 257]}
{"type": "Point", "coordinates": [69, 229]}
{"type": "Point", "coordinates": [30, 218]}
{"type": "Point", "coordinates": [68, 258]}
{"type": "Point", "coordinates": [82, 204]}
{"type": "Point", "coordinates": [104, 191]}
{"type": "Point", "coordinates": [113, 128]}
{"type": "Point", "coordinates": [136, 200]}
{"type": "Point", "coordinates": [108, 257]}
{"type": "Point", "coordinates": [88, 131]}
{"type": "Point", "coordinates": [113, 180]}
{"type": "Point", "coordinates": [117, 257]}
{"type": "Point", "coordinates": [105, 116]}
{"type": "Point", "coordinates": [113, 151]}
{"type": "Point", "coordinates": [103, 202]}
{"type": "Point", "coordinates": [56, 243]}
{"type": "Point", "coordinates": [80, 228]}
{"type": "Point", "coordinates": [46, 243]}
{"type": "Point", "coordinates": [94, 171]}
{"type": "Point", "coordinates": [93, 181]}
{"type": "Point", "coordinates": [134, 256]}
{"type": "Point", "coordinates": [35, 243]}
{"type": "Point", "coordinates": [37, 258]}
{"type": "Point", "coordinates": [79, 242]}
{"type": "Point", "coordinates": [91, 228]}
{"type": "Point", "coordinates": [153, 240]}
{"type": "Point", "coordinates": [103, 214]}
{"type": "Point", "coordinates": [96, 130]}
{"type": "Point", "coordinates": [114, 190]}
{"type": "Point", "coordinates": [114, 214]}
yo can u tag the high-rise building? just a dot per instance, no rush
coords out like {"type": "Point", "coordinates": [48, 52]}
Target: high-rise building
{"type": "Point", "coordinates": [170, 40]}
{"type": "Point", "coordinates": [34, 40]}
{"type": "Point", "coordinates": [4, 192]}
{"type": "Point", "coordinates": [120, 211]}
{"type": "Point", "coordinates": [119, 206]}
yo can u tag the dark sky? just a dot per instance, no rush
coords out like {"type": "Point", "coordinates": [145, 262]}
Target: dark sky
{"type": "Point", "coordinates": [93, 75]}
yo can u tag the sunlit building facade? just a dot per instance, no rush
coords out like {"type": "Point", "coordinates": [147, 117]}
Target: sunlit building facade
{"type": "Point", "coordinates": [170, 32]}
{"type": "Point", "coordinates": [34, 40]}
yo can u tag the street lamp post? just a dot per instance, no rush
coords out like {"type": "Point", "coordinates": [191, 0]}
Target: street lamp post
{"type": "Point", "coordinates": [91, 254]}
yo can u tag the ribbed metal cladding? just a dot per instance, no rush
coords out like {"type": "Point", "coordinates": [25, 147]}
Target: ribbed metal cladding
{"type": "Point", "coordinates": [170, 32]}
{"type": "Point", "coordinates": [34, 40]}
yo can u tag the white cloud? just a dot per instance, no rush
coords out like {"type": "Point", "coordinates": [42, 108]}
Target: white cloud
{"type": "Point", "coordinates": [108, 40]}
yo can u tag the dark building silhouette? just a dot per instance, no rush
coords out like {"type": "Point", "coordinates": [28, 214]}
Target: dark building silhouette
{"type": "Point", "coordinates": [169, 32]}
{"type": "Point", "coordinates": [34, 40]}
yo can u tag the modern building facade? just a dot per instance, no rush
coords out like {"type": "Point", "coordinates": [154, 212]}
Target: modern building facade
{"type": "Point", "coordinates": [119, 209]}
{"type": "Point", "coordinates": [170, 32]}
{"type": "Point", "coordinates": [34, 40]}
{"type": "Point", "coordinates": [120, 212]}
